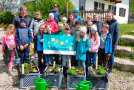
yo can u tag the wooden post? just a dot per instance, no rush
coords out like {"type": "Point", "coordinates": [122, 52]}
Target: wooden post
{"type": "Point", "coordinates": [22, 68]}
{"type": "Point", "coordinates": [54, 65]}
{"type": "Point", "coordinates": [69, 64]}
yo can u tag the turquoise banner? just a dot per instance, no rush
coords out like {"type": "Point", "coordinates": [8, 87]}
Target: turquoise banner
{"type": "Point", "coordinates": [59, 44]}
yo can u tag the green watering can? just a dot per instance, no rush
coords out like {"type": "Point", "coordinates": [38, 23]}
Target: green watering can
{"type": "Point", "coordinates": [40, 84]}
{"type": "Point", "coordinates": [83, 85]}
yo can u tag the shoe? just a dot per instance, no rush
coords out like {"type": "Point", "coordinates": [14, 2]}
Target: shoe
{"type": "Point", "coordinates": [36, 55]}
{"type": "Point", "coordinates": [11, 72]}
{"type": "Point", "coordinates": [110, 70]}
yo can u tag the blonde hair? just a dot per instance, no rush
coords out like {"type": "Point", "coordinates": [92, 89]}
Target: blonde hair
{"type": "Point", "coordinates": [84, 38]}
{"type": "Point", "coordinates": [67, 27]}
{"type": "Point", "coordinates": [106, 26]}
{"type": "Point", "coordinates": [39, 32]}
{"type": "Point", "coordinates": [89, 16]}
{"type": "Point", "coordinates": [96, 35]}
{"type": "Point", "coordinates": [37, 13]}
{"type": "Point", "coordinates": [8, 29]}
{"type": "Point", "coordinates": [47, 25]}
{"type": "Point", "coordinates": [96, 15]}
{"type": "Point", "coordinates": [90, 23]}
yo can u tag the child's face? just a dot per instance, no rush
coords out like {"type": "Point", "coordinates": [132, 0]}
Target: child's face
{"type": "Point", "coordinates": [93, 32]}
{"type": "Point", "coordinates": [104, 29]}
{"type": "Point", "coordinates": [71, 17]}
{"type": "Point", "coordinates": [23, 24]}
{"type": "Point", "coordinates": [96, 18]}
{"type": "Point", "coordinates": [60, 28]}
{"type": "Point", "coordinates": [88, 26]}
{"type": "Point", "coordinates": [67, 32]}
{"type": "Point", "coordinates": [88, 18]}
{"type": "Point", "coordinates": [78, 26]}
{"type": "Point", "coordinates": [75, 14]}
{"type": "Point", "coordinates": [42, 28]}
{"type": "Point", "coordinates": [56, 8]}
{"type": "Point", "coordinates": [23, 12]}
{"type": "Point", "coordinates": [38, 15]}
{"type": "Point", "coordinates": [11, 29]}
{"type": "Point", "coordinates": [82, 34]}
{"type": "Point", "coordinates": [64, 22]}
{"type": "Point", "coordinates": [48, 29]}
{"type": "Point", "coordinates": [51, 18]}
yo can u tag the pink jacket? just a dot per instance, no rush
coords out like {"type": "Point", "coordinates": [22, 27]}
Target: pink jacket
{"type": "Point", "coordinates": [8, 40]}
{"type": "Point", "coordinates": [94, 44]}
{"type": "Point", "coordinates": [53, 24]}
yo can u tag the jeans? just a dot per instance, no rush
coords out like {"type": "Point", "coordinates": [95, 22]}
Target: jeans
{"type": "Point", "coordinates": [24, 55]}
{"type": "Point", "coordinates": [35, 43]}
{"type": "Point", "coordinates": [65, 59]}
{"type": "Point", "coordinates": [48, 59]}
{"type": "Point", "coordinates": [91, 56]}
{"type": "Point", "coordinates": [40, 57]}
{"type": "Point", "coordinates": [81, 63]}
{"type": "Point", "coordinates": [111, 60]}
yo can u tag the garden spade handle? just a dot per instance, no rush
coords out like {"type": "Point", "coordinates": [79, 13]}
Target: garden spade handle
{"type": "Point", "coordinates": [69, 64]}
{"type": "Point", "coordinates": [96, 64]}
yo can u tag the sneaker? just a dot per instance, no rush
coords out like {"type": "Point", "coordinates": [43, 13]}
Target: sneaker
{"type": "Point", "coordinates": [11, 72]}
{"type": "Point", "coordinates": [109, 70]}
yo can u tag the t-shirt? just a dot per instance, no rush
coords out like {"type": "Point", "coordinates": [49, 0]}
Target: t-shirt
{"type": "Point", "coordinates": [102, 41]}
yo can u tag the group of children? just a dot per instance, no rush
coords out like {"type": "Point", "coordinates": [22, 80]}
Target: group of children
{"type": "Point", "coordinates": [89, 40]}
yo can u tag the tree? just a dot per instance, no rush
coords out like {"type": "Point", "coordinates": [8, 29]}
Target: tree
{"type": "Point", "coordinates": [45, 6]}
{"type": "Point", "coordinates": [131, 5]}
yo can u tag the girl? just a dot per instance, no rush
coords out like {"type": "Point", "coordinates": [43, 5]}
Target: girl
{"type": "Point", "coordinates": [71, 21]}
{"type": "Point", "coordinates": [95, 43]}
{"type": "Point", "coordinates": [41, 58]}
{"type": "Point", "coordinates": [89, 19]}
{"type": "Point", "coordinates": [82, 47]}
{"type": "Point", "coordinates": [34, 27]}
{"type": "Point", "coordinates": [64, 21]}
{"type": "Point", "coordinates": [8, 46]}
{"type": "Point", "coordinates": [89, 25]}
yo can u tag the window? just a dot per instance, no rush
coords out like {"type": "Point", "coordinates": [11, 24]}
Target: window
{"type": "Point", "coordinates": [122, 12]}
{"type": "Point", "coordinates": [81, 4]}
{"type": "Point", "coordinates": [99, 6]}
{"type": "Point", "coordinates": [112, 9]}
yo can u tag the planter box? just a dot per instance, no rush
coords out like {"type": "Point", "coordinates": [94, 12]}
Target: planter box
{"type": "Point", "coordinates": [26, 80]}
{"type": "Point", "coordinates": [56, 78]}
{"type": "Point", "coordinates": [74, 79]}
{"type": "Point", "coordinates": [98, 81]}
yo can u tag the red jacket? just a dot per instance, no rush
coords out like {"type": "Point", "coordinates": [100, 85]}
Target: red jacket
{"type": "Point", "coordinates": [54, 27]}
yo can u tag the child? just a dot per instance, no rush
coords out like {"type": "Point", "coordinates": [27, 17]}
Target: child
{"type": "Point", "coordinates": [40, 52]}
{"type": "Point", "coordinates": [64, 21]}
{"type": "Point", "coordinates": [56, 13]}
{"type": "Point", "coordinates": [8, 46]}
{"type": "Point", "coordinates": [76, 15]}
{"type": "Point", "coordinates": [24, 38]}
{"type": "Point", "coordinates": [75, 32]}
{"type": "Point", "coordinates": [82, 46]}
{"type": "Point", "coordinates": [48, 57]}
{"type": "Point", "coordinates": [105, 49]}
{"type": "Point", "coordinates": [66, 58]}
{"type": "Point", "coordinates": [71, 21]}
{"type": "Point", "coordinates": [52, 23]}
{"type": "Point", "coordinates": [94, 45]}
{"type": "Point", "coordinates": [89, 25]}
{"type": "Point", "coordinates": [89, 19]}
{"type": "Point", "coordinates": [60, 29]}
{"type": "Point", "coordinates": [98, 23]}
{"type": "Point", "coordinates": [34, 27]}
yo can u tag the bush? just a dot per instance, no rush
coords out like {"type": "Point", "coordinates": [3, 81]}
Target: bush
{"type": "Point", "coordinates": [6, 17]}
{"type": "Point", "coordinates": [45, 6]}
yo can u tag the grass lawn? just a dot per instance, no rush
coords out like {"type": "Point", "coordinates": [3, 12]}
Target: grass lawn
{"type": "Point", "coordinates": [126, 29]}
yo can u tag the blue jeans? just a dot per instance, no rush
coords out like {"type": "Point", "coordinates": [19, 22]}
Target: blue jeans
{"type": "Point", "coordinates": [35, 43]}
{"type": "Point", "coordinates": [111, 60]}
{"type": "Point", "coordinates": [89, 57]}
{"type": "Point", "coordinates": [40, 56]}
{"type": "Point", "coordinates": [81, 63]}
{"type": "Point", "coordinates": [48, 59]}
{"type": "Point", "coordinates": [24, 55]}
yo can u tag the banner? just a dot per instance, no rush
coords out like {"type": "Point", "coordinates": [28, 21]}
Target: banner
{"type": "Point", "coordinates": [39, 45]}
{"type": "Point", "coordinates": [59, 44]}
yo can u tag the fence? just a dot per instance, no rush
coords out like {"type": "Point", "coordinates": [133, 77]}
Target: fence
{"type": "Point", "coordinates": [101, 13]}
{"type": "Point", "coordinates": [131, 17]}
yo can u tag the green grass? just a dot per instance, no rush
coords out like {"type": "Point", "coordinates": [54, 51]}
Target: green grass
{"type": "Point", "coordinates": [126, 29]}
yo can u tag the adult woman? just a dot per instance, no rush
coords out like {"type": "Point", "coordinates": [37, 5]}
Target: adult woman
{"type": "Point", "coordinates": [23, 15]}
{"type": "Point", "coordinates": [114, 30]}
{"type": "Point", "coordinates": [71, 21]}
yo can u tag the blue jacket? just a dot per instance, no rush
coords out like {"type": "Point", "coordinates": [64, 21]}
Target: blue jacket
{"type": "Point", "coordinates": [56, 15]}
{"type": "Point", "coordinates": [81, 49]}
{"type": "Point", "coordinates": [114, 30]}
{"type": "Point", "coordinates": [23, 36]}
{"type": "Point", "coordinates": [108, 43]}
{"type": "Point", "coordinates": [78, 18]}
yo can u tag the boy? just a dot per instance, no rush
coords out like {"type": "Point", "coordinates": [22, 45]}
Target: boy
{"type": "Point", "coordinates": [23, 38]}
{"type": "Point", "coordinates": [76, 29]}
{"type": "Point", "coordinates": [76, 15]}
{"type": "Point", "coordinates": [60, 29]}
{"type": "Point", "coordinates": [56, 13]}
{"type": "Point", "coordinates": [105, 48]}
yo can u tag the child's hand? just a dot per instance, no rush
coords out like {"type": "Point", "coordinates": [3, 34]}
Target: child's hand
{"type": "Point", "coordinates": [108, 54]}
{"type": "Point", "coordinates": [90, 50]}
{"type": "Point", "coordinates": [41, 40]}
{"type": "Point", "coordinates": [74, 55]}
{"type": "Point", "coordinates": [25, 46]}
{"type": "Point", "coordinates": [21, 47]}
{"type": "Point", "coordinates": [33, 37]}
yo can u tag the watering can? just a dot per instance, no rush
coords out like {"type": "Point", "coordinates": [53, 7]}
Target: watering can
{"type": "Point", "coordinates": [83, 85]}
{"type": "Point", "coordinates": [40, 84]}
